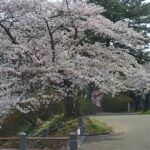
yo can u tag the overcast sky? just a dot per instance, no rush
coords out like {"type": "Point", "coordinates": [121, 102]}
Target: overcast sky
{"type": "Point", "coordinates": [145, 0]}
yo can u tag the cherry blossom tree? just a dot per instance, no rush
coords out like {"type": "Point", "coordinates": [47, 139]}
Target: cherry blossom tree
{"type": "Point", "coordinates": [44, 46]}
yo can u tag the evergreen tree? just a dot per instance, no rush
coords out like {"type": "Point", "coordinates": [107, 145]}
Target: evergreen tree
{"type": "Point", "coordinates": [136, 12]}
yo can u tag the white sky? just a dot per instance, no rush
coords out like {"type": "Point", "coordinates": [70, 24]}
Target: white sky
{"type": "Point", "coordinates": [147, 0]}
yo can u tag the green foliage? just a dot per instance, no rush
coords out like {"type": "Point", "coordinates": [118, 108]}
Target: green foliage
{"type": "Point", "coordinates": [114, 9]}
{"type": "Point", "coordinates": [141, 57]}
{"type": "Point", "coordinates": [16, 122]}
{"type": "Point", "coordinates": [144, 112]}
{"type": "Point", "coordinates": [58, 126]}
{"type": "Point", "coordinates": [86, 106]}
{"type": "Point", "coordinates": [117, 104]}
{"type": "Point", "coordinates": [118, 10]}
{"type": "Point", "coordinates": [50, 125]}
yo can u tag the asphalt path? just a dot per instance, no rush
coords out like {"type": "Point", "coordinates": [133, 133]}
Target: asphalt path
{"type": "Point", "coordinates": [131, 132]}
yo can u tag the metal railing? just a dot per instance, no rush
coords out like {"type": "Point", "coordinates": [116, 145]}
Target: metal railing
{"type": "Point", "coordinates": [72, 139]}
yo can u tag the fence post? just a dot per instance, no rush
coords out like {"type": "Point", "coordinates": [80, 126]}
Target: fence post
{"type": "Point", "coordinates": [73, 144]}
{"type": "Point", "coordinates": [80, 125]}
{"type": "Point", "coordinates": [129, 107]}
{"type": "Point", "coordinates": [22, 141]}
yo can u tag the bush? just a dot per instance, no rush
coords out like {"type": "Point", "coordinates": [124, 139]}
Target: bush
{"type": "Point", "coordinates": [17, 122]}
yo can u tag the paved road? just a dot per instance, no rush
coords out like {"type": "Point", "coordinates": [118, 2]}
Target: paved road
{"type": "Point", "coordinates": [132, 133]}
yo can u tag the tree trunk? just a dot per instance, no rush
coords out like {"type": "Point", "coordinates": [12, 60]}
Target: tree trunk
{"type": "Point", "coordinates": [69, 104]}
{"type": "Point", "coordinates": [72, 107]}
{"type": "Point", "coordinates": [69, 107]}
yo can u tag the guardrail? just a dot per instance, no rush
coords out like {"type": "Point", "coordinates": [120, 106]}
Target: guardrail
{"type": "Point", "coordinates": [73, 138]}
{"type": "Point", "coordinates": [22, 138]}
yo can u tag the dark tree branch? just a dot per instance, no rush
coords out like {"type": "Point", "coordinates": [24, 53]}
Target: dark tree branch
{"type": "Point", "coordinates": [51, 40]}
{"type": "Point", "coordinates": [59, 27]}
{"type": "Point", "coordinates": [76, 32]}
{"type": "Point", "coordinates": [13, 39]}
{"type": "Point", "coordinates": [73, 25]}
